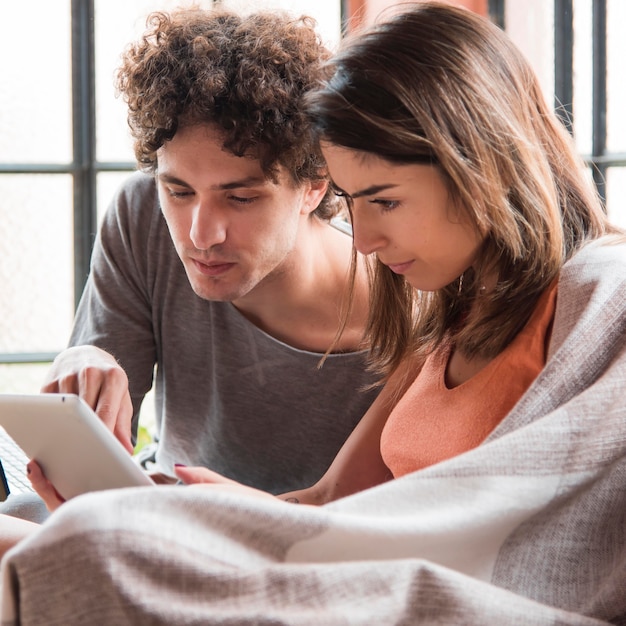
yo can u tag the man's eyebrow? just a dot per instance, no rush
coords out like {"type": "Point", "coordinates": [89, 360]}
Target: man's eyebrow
{"type": "Point", "coordinates": [248, 181]}
{"type": "Point", "coordinates": [174, 180]}
{"type": "Point", "coordinates": [370, 191]}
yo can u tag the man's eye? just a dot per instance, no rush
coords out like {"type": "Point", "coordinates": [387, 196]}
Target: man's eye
{"type": "Point", "coordinates": [242, 200]}
{"type": "Point", "coordinates": [173, 193]}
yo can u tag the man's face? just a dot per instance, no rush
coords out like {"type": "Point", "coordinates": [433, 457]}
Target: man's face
{"type": "Point", "coordinates": [233, 229]}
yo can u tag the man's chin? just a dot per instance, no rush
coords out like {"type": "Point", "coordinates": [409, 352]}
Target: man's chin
{"type": "Point", "coordinates": [218, 293]}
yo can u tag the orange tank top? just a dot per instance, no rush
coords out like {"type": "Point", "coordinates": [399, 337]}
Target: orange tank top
{"type": "Point", "coordinates": [432, 423]}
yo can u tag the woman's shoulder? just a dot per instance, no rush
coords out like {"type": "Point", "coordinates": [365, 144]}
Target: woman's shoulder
{"type": "Point", "coordinates": [591, 292]}
{"type": "Point", "coordinates": [596, 258]}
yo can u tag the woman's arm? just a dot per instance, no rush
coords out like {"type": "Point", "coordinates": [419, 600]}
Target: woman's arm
{"type": "Point", "coordinates": [13, 530]}
{"type": "Point", "coordinates": [359, 465]}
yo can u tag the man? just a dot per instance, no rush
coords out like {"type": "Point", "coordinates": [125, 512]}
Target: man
{"type": "Point", "coordinates": [218, 270]}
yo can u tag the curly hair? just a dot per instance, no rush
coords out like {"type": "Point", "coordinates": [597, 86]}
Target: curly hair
{"type": "Point", "coordinates": [244, 74]}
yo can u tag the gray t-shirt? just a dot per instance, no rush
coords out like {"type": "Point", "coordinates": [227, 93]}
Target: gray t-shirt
{"type": "Point", "coordinates": [228, 396]}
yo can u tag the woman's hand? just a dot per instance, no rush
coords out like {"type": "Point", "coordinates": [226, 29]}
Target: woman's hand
{"type": "Point", "coordinates": [204, 477]}
{"type": "Point", "coordinates": [43, 486]}
{"type": "Point", "coordinates": [191, 476]}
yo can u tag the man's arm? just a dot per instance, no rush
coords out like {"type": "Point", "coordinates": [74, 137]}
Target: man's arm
{"type": "Point", "coordinates": [111, 359]}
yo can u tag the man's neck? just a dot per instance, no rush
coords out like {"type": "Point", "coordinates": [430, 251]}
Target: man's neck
{"type": "Point", "coordinates": [303, 304]}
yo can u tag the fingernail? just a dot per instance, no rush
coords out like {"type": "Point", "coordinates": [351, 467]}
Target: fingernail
{"type": "Point", "coordinates": [179, 465]}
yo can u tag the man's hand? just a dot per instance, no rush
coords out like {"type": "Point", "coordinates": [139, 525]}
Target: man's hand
{"type": "Point", "coordinates": [98, 379]}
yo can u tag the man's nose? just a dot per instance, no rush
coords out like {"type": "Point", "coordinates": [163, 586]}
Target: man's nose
{"type": "Point", "coordinates": [208, 226]}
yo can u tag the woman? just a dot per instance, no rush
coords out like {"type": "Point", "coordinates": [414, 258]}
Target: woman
{"type": "Point", "coordinates": [498, 319]}
{"type": "Point", "coordinates": [468, 193]}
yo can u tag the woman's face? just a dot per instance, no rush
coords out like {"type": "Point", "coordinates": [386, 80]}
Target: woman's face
{"type": "Point", "coordinates": [405, 216]}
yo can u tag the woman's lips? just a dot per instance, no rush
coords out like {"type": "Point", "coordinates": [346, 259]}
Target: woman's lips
{"type": "Point", "coordinates": [399, 268]}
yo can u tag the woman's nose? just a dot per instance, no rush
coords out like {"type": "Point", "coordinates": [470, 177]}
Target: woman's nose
{"type": "Point", "coordinates": [366, 231]}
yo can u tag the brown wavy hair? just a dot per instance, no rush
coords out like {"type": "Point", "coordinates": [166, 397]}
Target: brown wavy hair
{"type": "Point", "coordinates": [246, 74]}
{"type": "Point", "coordinates": [436, 83]}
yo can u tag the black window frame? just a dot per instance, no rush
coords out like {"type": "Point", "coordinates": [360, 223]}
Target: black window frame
{"type": "Point", "coordinates": [85, 166]}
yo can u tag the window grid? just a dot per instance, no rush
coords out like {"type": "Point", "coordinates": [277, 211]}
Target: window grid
{"type": "Point", "coordinates": [599, 64]}
{"type": "Point", "coordinates": [84, 167]}
{"type": "Point", "coordinates": [84, 138]}
{"type": "Point", "coordinates": [564, 61]}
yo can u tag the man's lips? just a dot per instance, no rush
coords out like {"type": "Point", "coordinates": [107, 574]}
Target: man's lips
{"type": "Point", "coordinates": [212, 268]}
{"type": "Point", "coordinates": [399, 268]}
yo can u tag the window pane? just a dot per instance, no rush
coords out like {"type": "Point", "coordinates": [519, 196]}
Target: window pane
{"type": "Point", "coordinates": [327, 13]}
{"type": "Point", "coordinates": [530, 25]}
{"type": "Point", "coordinates": [114, 30]}
{"type": "Point", "coordinates": [108, 183]}
{"type": "Point", "coordinates": [615, 193]}
{"type": "Point", "coordinates": [35, 98]}
{"type": "Point", "coordinates": [583, 93]}
{"type": "Point", "coordinates": [36, 272]}
{"type": "Point", "coordinates": [616, 86]}
{"type": "Point", "coordinates": [26, 378]}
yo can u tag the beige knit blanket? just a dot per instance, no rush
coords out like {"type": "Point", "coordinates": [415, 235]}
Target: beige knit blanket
{"type": "Point", "coordinates": [529, 528]}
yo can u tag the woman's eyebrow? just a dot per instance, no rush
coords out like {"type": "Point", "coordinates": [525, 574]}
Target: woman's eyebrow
{"type": "Point", "coordinates": [370, 191]}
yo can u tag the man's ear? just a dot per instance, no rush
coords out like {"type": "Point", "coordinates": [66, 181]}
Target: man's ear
{"type": "Point", "coordinates": [314, 194]}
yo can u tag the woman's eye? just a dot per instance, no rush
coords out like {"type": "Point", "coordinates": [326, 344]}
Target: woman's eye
{"type": "Point", "coordinates": [386, 205]}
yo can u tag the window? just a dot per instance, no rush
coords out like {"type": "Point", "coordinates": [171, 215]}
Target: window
{"type": "Point", "coordinates": [64, 146]}
{"type": "Point", "coordinates": [576, 46]}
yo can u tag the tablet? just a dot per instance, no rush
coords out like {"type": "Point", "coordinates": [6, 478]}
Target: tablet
{"type": "Point", "coordinates": [73, 447]}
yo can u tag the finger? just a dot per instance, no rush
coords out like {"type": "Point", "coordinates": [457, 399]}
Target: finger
{"type": "Point", "coordinates": [122, 428]}
{"type": "Point", "coordinates": [98, 388]}
{"type": "Point", "coordinates": [51, 380]}
{"type": "Point", "coordinates": [67, 384]}
{"type": "Point", "coordinates": [43, 486]}
{"type": "Point", "coordinates": [105, 391]}
{"type": "Point", "coordinates": [195, 475]}
{"type": "Point", "coordinates": [50, 387]}
{"type": "Point", "coordinates": [117, 399]}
